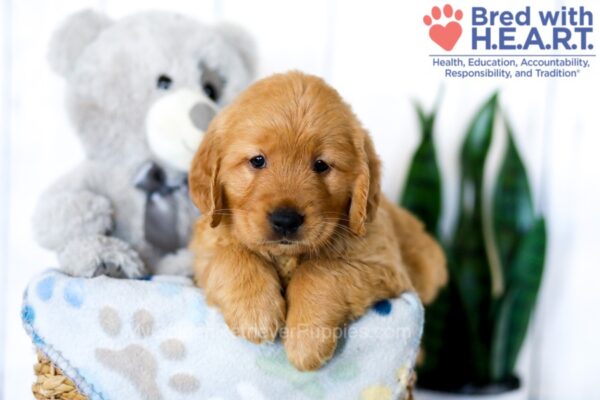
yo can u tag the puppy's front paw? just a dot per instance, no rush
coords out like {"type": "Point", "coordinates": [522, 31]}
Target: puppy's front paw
{"type": "Point", "coordinates": [256, 319]}
{"type": "Point", "coordinates": [308, 348]}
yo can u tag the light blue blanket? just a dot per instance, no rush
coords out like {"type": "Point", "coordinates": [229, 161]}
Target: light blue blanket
{"type": "Point", "coordinates": [157, 339]}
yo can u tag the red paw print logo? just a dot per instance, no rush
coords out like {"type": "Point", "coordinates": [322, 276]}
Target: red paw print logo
{"type": "Point", "coordinates": [447, 35]}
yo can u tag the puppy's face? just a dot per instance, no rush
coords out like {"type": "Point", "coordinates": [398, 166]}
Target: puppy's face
{"type": "Point", "coordinates": [287, 167]}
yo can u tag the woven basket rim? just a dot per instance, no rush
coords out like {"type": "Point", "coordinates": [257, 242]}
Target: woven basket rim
{"type": "Point", "coordinates": [51, 383]}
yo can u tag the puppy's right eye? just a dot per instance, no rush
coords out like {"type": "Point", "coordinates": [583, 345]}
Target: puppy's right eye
{"type": "Point", "coordinates": [320, 166]}
{"type": "Point", "coordinates": [258, 162]}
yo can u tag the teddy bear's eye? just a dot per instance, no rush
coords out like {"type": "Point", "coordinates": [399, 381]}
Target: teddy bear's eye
{"type": "Point", "coordinates": [212, 83]}
{"type": "Point", "coordinates": [211, 91]}
{"type": "Point", "coordinates": [164, 82]}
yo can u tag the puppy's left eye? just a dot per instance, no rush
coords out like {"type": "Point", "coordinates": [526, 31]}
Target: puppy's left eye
{"type": "Point", "coordinates": [320, 166]}
{"type": "Point", "coordinates": [258, 162]}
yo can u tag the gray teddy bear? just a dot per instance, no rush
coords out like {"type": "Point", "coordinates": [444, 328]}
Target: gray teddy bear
{"type": "Point", "coordinates": [141, 92]}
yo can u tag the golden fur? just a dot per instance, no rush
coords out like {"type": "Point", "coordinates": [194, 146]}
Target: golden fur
{"type": "Point", "coordinates": [354, 248]}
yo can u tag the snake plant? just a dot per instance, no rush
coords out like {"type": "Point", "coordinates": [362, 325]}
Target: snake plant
{"type": "Point", "coordinates": [476, 327]}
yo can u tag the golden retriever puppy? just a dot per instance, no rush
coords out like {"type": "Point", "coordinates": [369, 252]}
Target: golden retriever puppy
{"type": "Point", "coordinates": [295, 232]}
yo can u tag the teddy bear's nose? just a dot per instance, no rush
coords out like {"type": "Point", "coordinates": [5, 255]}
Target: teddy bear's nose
{"type": "Point", "coordinates": [201, 114]}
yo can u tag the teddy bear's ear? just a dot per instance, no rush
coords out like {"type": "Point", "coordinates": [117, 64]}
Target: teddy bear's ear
{"type": "Point", "coordinates": [242, 41]}
{"type": "Point", "coordinates": [72, 37]}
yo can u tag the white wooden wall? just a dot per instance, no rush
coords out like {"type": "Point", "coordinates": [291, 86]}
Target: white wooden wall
{"type": "Point", "coordinates": [375, 53]}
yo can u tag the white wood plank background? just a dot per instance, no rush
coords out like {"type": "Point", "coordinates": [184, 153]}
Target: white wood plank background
{"type": "Point", "coordinates": [375, 53]}
{"type": "Point", "coordinates": [5, 29]}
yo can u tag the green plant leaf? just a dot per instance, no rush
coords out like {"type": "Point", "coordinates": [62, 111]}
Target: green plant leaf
{"type": "Point", "coordinates": [513, 213]}
{"type": "Point", "coordinates": [423, 189]}
{"type": "Point", "coordinates": [517, 304]}
{"type": "Point", "coordinates": [477, 142]}
{"type": "Point", "coordinates": [442, 367]}
{"type": "Point", "coordinates": [471, 270]}
{"type": "Point", "coordinates": [513, 217]}
{"type": "Point", "coordinates": [446, 349]}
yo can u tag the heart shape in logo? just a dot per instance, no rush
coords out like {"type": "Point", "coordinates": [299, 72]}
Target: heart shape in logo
{"type": "Point", "coordinates": [446, 36]}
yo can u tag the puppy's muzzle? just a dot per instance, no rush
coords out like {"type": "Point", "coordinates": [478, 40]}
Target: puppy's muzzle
{"type": "Point", "coordinates": [285, 221]}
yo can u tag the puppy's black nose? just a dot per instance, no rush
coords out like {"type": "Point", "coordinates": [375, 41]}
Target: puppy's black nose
{"type": "Point", "coordinates": [285, 221]}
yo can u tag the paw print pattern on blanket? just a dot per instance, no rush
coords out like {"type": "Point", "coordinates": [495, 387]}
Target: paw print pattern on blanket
{"type": "Point", "coordinates": [135, 362]}
{"type": "Point", "coordinates": [134, 340]}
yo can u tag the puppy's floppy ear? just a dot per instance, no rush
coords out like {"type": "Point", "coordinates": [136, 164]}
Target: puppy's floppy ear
{"type": "Point", "coordinates": [205, 186]}
{"type": "Point", "coordinates": [367, 187]}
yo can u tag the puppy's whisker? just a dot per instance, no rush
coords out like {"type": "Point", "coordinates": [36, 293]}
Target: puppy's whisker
{"type": "Point", "coordinates": [229, 210]}
{"type": "Point", "coordinates": [340, 219]}
{"type": "Point", "coordinates": [342, 228]}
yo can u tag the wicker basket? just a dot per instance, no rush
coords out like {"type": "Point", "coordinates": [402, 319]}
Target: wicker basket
{"type": "Point", "coordinates": [51, 384]}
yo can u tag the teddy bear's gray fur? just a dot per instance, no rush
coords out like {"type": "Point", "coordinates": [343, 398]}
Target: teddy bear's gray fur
{"type": "Point", "coordinates": [97, 217]}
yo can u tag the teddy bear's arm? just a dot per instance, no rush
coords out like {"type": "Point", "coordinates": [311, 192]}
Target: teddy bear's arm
{"type": "Point", "coordinates": [68, 210]}
{"type": "Point", "coordinates": [75, 222]}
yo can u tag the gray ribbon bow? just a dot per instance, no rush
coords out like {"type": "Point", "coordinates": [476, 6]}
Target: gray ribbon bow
{"type": "Point", "coordinates": [160, 216]}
